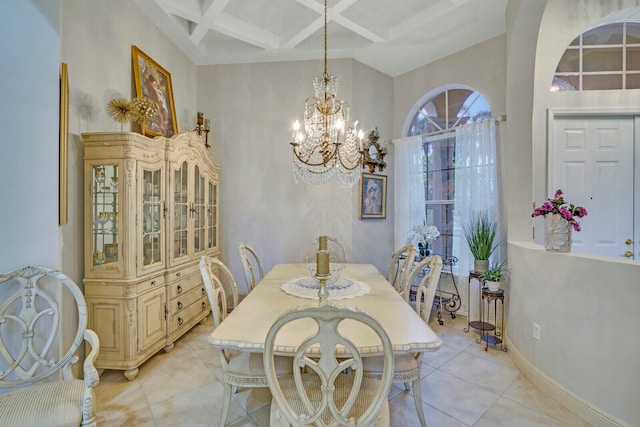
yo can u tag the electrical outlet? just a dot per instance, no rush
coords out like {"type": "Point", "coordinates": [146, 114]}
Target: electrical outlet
{"type": "Point", "coordinates": [536, 331]}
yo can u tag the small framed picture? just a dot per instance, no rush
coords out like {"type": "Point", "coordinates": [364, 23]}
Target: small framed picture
{"type": "Point", "coordinates": [154, 82]}
{"type": "Point", "coordinates": [373, 196]}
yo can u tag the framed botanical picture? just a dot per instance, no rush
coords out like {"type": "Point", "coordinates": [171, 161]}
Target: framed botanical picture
{"type": "Point", "coordinates": [373, 196]}
{"type": "Point", "coordinates": [154, 82]}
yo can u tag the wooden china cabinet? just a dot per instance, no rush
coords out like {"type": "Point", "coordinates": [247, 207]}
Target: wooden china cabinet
{"type": "Point", "coordinates": [151, 211]}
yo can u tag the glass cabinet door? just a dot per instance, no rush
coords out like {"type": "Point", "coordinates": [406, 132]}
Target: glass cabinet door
{"type": "Point", "coordinates": [181, 210]}
{"type": "Point", "coordinates": [212, 216]}
{"type": "Point", "coordinates": [104, 215]}
{"type": "Point", "coordinates": [199, 211]}
{"type": "Point", "coordinates": [151, 217]}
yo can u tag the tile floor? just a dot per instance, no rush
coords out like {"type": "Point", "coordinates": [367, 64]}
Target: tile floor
{"type": "Point", "coordinates": [462, 385]}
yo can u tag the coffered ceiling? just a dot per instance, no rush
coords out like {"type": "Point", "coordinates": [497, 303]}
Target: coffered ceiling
{"type": "Point", "coordinates": [392, 36]}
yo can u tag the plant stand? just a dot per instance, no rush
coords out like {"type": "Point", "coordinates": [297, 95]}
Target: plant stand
{"type": "Point", "coordinates": [485, 318]}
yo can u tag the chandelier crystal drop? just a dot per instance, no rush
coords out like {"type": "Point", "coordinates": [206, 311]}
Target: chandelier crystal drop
{"type": "Point", "coordinates": [329, 146]}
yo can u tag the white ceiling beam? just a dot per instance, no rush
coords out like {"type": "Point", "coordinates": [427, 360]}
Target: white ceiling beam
{"type": "Point", "coordinates": [424, 17]}
{"type": "Point", "coordinates": [182, 12]}
{"type": "Point", "coordinates": [242, 30]}
{"type": "Point", "coordinates": [209, 17]}
{"type": "Point", "coordinates": [302, 35]}
{"type": "Point", "coordinates": [333, 14]}
{"type": "Point", "coordinates": [358, 29]}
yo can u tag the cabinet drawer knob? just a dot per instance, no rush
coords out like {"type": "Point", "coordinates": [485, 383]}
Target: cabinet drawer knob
{"type": "Point", "coordinates": [179, 289]}
{"type": "Point", "coordinates": [178, 274]}
{"type": "Point", "coordinates": [204, 291]}
{"type": "Point", "coordinates": [179, 305]}
{"type": "Point", "coordinates": [204, 305]}
{"type": "Point", "coordinates": [153, 282]}
{"type": "Point", "coordinates": [180, 321]}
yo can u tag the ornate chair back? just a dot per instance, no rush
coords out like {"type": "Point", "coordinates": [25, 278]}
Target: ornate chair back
{"type": "Point", "coordinates": [212, 267]}
{"type": "Point", "coordinates": [252, 265]}
{"type": "Point", "coordinates": [327, 387]}
{"type": "Point", "coordinates": [428, 270]}
{"type": "Point", "coordinates": [399, 270]}
{"type": "Point", "coordinates": [36, 305]}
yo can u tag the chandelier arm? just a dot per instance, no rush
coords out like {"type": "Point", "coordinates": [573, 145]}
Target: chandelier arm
{"type": "Point", "coordinates": [356, 162]}
{"type": "Point", "coordinates": [306, 160]}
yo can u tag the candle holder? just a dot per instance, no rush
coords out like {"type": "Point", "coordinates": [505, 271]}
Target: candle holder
{"type": "Point", "coordinates": [203, 126]}
{"type": "Point", "coordinates": [323, 291]}
{"type": "Point", "coordinates": [200, 129]}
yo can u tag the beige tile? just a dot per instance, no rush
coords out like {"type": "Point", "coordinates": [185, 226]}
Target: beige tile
{"type": "Point", "coordinates": [260, 417]}
{"type": "Point", "coordinates": [140, 418]}
{"type": "Point", "coordinates": [526, 393]}
{"type": "Point", "coordinates": [507, 413]}
{"type": "Point", "coordinates": [484, 373]}
{"type": "Point", "coordinates": [437, 358]}
{"type": "Point", "coordinates": [196, 407]}
{"type": "Point", "coordinates": [116, 396]}
{"type": "Point", "coordinates": [454, 336]}
{"type": "Point", "coordinates": [165, 377]}
{"type": "Point", "coordinates": [460, 399]}
{"type": "Point", "coordinates": [252, 399]}
{"type": "Point", "coordinates": [403, 413]}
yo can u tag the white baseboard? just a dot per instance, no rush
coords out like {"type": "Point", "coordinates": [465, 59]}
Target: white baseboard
{"type": "Point", "coordinates": [575, 404]}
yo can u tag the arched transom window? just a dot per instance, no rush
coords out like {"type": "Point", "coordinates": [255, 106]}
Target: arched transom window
{"type": "Point", "coordinates": [603, 58]}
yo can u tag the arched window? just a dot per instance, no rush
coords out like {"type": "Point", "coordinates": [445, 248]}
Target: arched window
{"type": "Point", "coordinates": [603, 58]}
{"type": "Point", "coordinates": [447, 110]}
{"type": "Point", "coordinates": [452, 116]}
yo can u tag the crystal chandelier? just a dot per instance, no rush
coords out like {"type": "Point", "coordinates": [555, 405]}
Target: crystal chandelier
{"type": "Point", "coordinates": [329, 146]}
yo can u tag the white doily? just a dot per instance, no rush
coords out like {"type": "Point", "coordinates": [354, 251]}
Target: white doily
{"type": "Point", "coordinates": [343, 288]}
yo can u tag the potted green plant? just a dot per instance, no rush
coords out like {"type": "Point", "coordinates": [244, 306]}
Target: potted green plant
{"type": "Point", "coordinates": [493, 276]}
{"type": "Point", "coordinates": [480, 233]}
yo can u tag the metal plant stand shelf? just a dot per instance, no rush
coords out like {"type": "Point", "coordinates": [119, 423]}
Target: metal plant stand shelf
{"type": "Point", "coordinates": [476, 324]}
{"type": "Point", "coordinates": [485, 318]}
{"type": "Point", "coordinates": [448, 301]}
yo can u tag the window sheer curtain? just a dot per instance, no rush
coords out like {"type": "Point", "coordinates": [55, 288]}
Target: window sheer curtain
{"type": "Point", "coordinates": [408, 186]}
{"type": "Point", "coordinates": [477, 186]}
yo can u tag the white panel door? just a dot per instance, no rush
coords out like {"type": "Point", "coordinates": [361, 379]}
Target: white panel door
{"type": "Point", "coordinates": [592, 161]}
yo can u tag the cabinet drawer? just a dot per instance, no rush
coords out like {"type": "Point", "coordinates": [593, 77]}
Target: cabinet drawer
{"type": "Point", "coordinates": [147, 285]}
{"type": "Point", "coordinates": [185, 299]}
{"type": "Point", "coordinates": [185, 317]}
{"type": "Point", "coordinates": [179, 274]}
{"type": "Point", "coordinates": [184, 285]}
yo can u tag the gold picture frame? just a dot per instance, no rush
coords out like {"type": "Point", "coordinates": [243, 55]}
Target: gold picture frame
{"type": "Point", "coordinates": [154, 82]}
{"type": "Point", "coordinates": [373, 196]}
{"type": "Point", "coordinates": [63, 179]}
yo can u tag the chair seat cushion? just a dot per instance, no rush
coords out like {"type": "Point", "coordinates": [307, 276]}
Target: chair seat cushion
{"type": "Point", "coordinates": [402, 363]}
{"type": "Point", "coordinates": [249, 367]}
{"type": "Point", "coordinates": [313, 389]}
{"type": "Point", "coordinates": [53, 404]}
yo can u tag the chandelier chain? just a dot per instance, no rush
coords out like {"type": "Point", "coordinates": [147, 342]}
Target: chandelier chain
{"type": "Point", "coordinates": [325, 75]}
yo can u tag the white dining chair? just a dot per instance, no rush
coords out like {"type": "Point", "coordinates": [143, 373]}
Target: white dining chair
{"type": "Point", "coordinates": [242, 369]}
{"type": "Point", "coordinates": [327, 386]}
{"type": "Point", "coordinates": [337, 251]}
{"type": "Point", "coordinates": [400, 268]}
{"type": "Point", "coordinates": [407, 366]}
{"type": "Point", "coordinates": [251, 264]}
{"type": "Point", "coordinates": [38, 375]}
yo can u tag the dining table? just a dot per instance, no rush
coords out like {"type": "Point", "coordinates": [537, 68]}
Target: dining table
{"type": "Point", "coordinates": [246, 327]}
